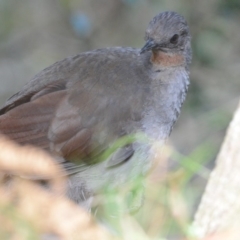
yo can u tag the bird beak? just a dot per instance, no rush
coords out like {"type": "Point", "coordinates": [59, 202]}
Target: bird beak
{"type": "Point", "coordinates": [148, 46]}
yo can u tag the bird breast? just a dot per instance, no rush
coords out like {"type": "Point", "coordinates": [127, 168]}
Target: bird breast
{"type": "Point", "coordinates": [168, 91]}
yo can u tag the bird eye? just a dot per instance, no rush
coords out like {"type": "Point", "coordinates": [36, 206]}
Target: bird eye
{"type": "Point", "coordinates": [174, 39]}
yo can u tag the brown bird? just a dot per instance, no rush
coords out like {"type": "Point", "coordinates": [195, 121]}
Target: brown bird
{"type": "Point", "coordinates": [81, 106]}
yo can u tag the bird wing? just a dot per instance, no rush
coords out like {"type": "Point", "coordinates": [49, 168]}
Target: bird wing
{"type": "Point", "coordinates": [76, 116]}
{"type": "Point", "coordinates": [49, 121]}
{"type": "Point", "coordinates": [28, 122]}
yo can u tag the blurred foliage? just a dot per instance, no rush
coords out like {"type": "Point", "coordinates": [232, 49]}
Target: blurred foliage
{"type": "Point", "coordinates": [37, 33]}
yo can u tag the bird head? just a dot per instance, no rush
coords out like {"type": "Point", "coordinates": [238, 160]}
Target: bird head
{"type": "Point", "coordinates": [168, 32]}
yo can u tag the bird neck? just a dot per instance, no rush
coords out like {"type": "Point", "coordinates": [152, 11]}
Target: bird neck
{"type": "Point", "coordinates": [167, 59]}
